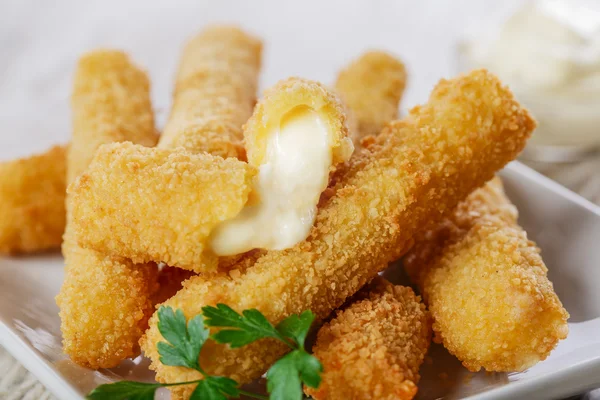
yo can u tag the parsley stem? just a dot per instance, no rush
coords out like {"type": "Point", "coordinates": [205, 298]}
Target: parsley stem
{"type": "Point", "coordinates": [286, 341]}
{"type": "Point", "coordinates": [180, 383]}
{"type": "Point", "coordinates": [253, 395]}
{"type": "Point", "coordinates": [245, 393]}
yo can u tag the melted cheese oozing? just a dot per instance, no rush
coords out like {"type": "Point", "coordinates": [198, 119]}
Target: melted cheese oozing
{"type": "Point", "coordinates": [288, 187]}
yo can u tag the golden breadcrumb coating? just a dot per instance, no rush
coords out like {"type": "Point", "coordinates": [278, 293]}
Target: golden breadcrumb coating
{"type": "Point", "coordinates": [104, 306]}
{"type": "Point", "coordinates": [486, 286]}
{"type": "Point", "coordinates": [215, 92]}
{"type": "Point", "coordinates": [110, 103]}
{"type": "Point", "coordinates": [417, 170]}
{"type": "Point", "coordinates": [32, 202]}
{"type": "Point", "coordinates": [104, 302]}
{"type": "Point", "coordinates": [282, 98]}
{"type": "Point", "coordinates": [372, 87]}
{"type": "Point", "coordinates": [157, 204]}
{"type": "Point", "coordinates": [373, 349]}
{"type": "Point", "coordinates": [207, 113]}
{"type": "Point", "coordinates": [114, 218]}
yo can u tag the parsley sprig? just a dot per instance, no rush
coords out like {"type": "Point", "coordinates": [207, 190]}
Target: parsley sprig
{"type": "Point", "coordinates": [286, 376]}
{"type": "Point", "coordinates": [185, 339]}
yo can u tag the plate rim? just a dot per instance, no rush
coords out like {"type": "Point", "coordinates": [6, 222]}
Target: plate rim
{"type": "Point", "coordinates": [39, 367]}
{"type": "Point", "coordinates": [533, 175]}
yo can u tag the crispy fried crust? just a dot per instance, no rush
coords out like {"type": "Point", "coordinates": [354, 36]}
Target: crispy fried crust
{"type": "Point", "coordinates": [486, 286]}
{"type": "Point", "coordinates": [214, 96]}
{"type": "Point", "coordinates": [110, 103]}
{"type": "Point", "coordinates": [104, 306]}
{"type": "Point", "coordinates": [156, 204]}
{"type": "Point", "coordinates": [418, 169]}
{"type": "Point", "coordinates": [284, 97]}
{"type": "Point", "coordinates": [32, 202]}
{"type": "Point", "coordinates": [373, 349]}
{"type": "Point", "coordinates": [215, 91]}
{"type": "Point", "coordinates": [372, 87]}
{"type": "Point", "coordinates": [104, 302]}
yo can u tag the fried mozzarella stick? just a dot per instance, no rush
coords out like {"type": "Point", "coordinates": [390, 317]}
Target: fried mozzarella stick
{"type": "Point", "coordinates": [296, 136]}
{"type": "Point", "coordinates": [486, 286]}
{"type": "Point", "coordinates": [209, 118]}
{"type": "Point", "coordinates": [373, 349]}
{"type": "Point", "coordinates": [198, 207]}
{"type": "Point", "coordinates": [372, 87]}
{"type": "Point", "coordinates": [214, 94]}
{"type": "Point", "coordinates": [105, 302]}
{"type": "Point", "coordinates": [146, 204]}
{"type": "Point", "coordinates": [417, 170]}
{"type": "Point", "coordinates": [32, 202]}
{"type": "Point", "coordinates": [110, 103]}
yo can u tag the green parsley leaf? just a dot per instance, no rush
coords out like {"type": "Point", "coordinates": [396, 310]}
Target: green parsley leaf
{"type": "Point", "coordinates": [172, 325]}
{"type": "Point", "coordinates": [285, 377]}
{"type": "Point", "coordinates": [283, 380]}
{"type": "Point", "coordinates": [297, 326]}
{"type": "Point", "coordinates": [215, 388]}
{"type": "Point", "coordinates": [251, 325]}
{"type": "Point", "coordinates": [184, 342]}
{"type": "Point", "coordinates": [310, 369]}
{"type": "Point", "coordinates": [124, 390]}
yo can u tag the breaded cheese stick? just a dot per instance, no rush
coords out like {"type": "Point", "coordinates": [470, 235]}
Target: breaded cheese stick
{"type": "Point", "coordinates": [210, 116]}
{"type": "Point", "coordinates": [297, 130]}
{"type": "Point", "coordinates": [486, 286]}
{"type": "Point", "coordinates": [156, 204]}
{"type": "Point", "coordinates": [104, 306]}
{"type": "Point", "coordinates": [373, 349]}
{"type": "Point", "coordinates": [110, 103]}
{"type": "Point", "coordinates": [372, 87]}
{"type": "Point", "coordinates": [105, 302]}
{"type": "Point", "coordinates": [32, 202]}
{"type": "Point", "coordinates": [418, 169]}
{"type": "Point", "coordinates": [296, 136]}
{"type": "Point", "coordinates": [215, 91]}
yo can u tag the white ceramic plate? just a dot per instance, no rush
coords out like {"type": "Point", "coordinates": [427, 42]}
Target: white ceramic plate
{"type": "Point", "coordinates": [564, 225]}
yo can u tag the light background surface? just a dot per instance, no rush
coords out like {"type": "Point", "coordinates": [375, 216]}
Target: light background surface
{"type": "Point", "coordinates": [41, 40]}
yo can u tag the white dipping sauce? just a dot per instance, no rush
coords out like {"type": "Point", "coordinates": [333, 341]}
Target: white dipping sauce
{"type": "Point", "coordinates": [548, 52]}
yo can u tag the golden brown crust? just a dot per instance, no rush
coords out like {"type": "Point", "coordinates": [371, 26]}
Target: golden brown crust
{"type": "Point", "coordinates": [214, 95]}
{"type": "Point", "coordinates": [110, 103]}
{"type": "Point", "coordinates": [156, 204]}
{"type": "Point", "coordinates": [284, 97]}
{"type": "Point", "coordinates": [372, 87]}
{"type": "Point", "coordinates": [486, 286]}
{"type": "Point", "coordinates": [32, 202]}
{"type": "Point", "coordinates": [215, 91]}
{"type": "Point", "coordinates": [105, 303]}
{"type": "Point", "coordinates": [373, 349]}
{"type": "Point", "coordinates": [419, 169]}
{"type": "Point", "coordinates": [104, 306]}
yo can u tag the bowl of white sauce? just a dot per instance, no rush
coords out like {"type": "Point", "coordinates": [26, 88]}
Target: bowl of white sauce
{"type": "Point", "coordinates": [548, 52]}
